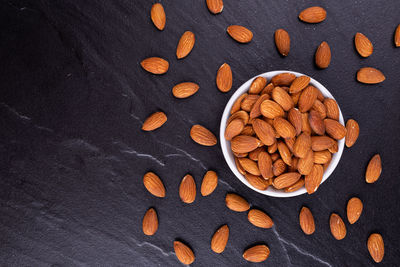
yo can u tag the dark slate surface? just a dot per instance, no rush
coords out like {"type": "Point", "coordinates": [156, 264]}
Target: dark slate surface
{"type": "Point", "coordinates": [72, 155]}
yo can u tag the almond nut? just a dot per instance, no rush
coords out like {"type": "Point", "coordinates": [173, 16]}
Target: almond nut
{"type": "Point", "coordinates": [370, 76]}
{"type": "Point", "coordinates": [210, 182]}
{"type": "Point", "coordinates": [282, 41]}
{"type": "Point", "coordinates": [154, 121]}
{"type": "Point", "coordinates": [224, 78]}
{"type": "Point", "coordinates": [314, 179]}
{"type": "Point", "coordinates": [157, 15]}
{"type": "Point", "coordinates": [286, 179]}
{"type": "Point", "coordinates": [154, 184]}
{"type": "Point", "coordinates": [236, 203]}
{"type": "Point", "coordinates": [155, 65]}
{"type": "Point", "coordinates": [202, 136]}
{"type": "Point", "coordinates": [215, 6]}
{"type": "Point", "coordinates": [323, 55]}
{"type": "Point", "coordinates": [338, 228]}
{"type": "Point", "coordinates": [376, 247]}
{"type": "Point", "coordinates": [150, 222]}
{"type": "Point", "coordinates": [257, 253]}
{"type": "Point", "coordinates": [187, 189]}
{"type": "Point", "coordinates": [257, 85]}
{"type": "Point", "coordinates": [185, 44]}
{"type": "Point", "coordinates": [363, 45]}
{"type": "Point", "coordinates": [306, 219]}
{"type": "Point", "coordinates": [220, 239]}
{"type": "Point", "coordinates": [259, 219]}
{"type": "Point", "coordinates": [184, 90]}
{"type": "Point", "coordinates": [354, 209]}
{"type": "Point", "coordinates": [240, 34]}
{"type": "Point", "coordinates": [352, 132]}
{"type": "Point", "coordinates": [244, 143]}
{"type": "Point", "coordinates": [335, 129]}
{"type": "Point", "coordinates": [183, 253]}
{"type": "Point", "coordinates": [313, 14]}
{"type": "Point", "coordinates": [374, 169]}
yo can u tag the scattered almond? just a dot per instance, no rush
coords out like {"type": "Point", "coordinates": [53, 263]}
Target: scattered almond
{"type": "Point", "coordinates": [236, 203]}
{"type": "Point", "coordinates": [185, 44]}
{"type": "Point", "coordinates": [370, 76]}
{"type": "Point", "coordinates": [376, 247]}
{"type": "Point", "coordinates": [313, 14]}
{"type": "Point", "coordinates": [187, 189]}
{"type": "Point", "coordinates": [157, 15]}
{"type": "Point", "coordinates": [260, 219]}
{"type": "Point", "coordinates": [183, 253]}
{"type": "Point", "coordinates": [185, 89]}
{"type": "Point", "coordinates": [155, 65]}
{"type": "Point", "coordinates": [215, 6]}
{"type": "Point", "coordinates": [354, 209]}
{"type": "Point", "coordinates": [154, 121]}
{"type": "Point", "coordinates": [257, 253]}
{"type": "Point", "coordinates": [374, 169]}
{"type": "Point", "coordinates": [323, 55]}
{"type": "Point", "coordinates": [282, 41]}
{"type": "Point", "coordinates": [224, 78]}
{"type": "Point", "coordinates": [154, 184]}
{"type": "Point", "coordinates": [363, 45]}
{"type": "Point", "coordinates": [397, 36]}
{"type": "Point", "coordinates": [220, 239]}
{"type": "Point", "coordinates": [202, 136]}
{"type": "Point", "coordinates": [338, 228]}
{"type": "Point", "coordinates": [240, 34]}
{"type": "Point", "coordinates": [352, 132]}
{"type": "Point", "coordinates": [150, 222]}
{"type": "Point", "coordinates": [210, 182]}
{"type": "Point", "coordinates": [306, 219]}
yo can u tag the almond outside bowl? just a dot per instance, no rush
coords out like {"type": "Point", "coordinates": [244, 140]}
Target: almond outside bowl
{"type": "Point", "coordinates": [226, 146]}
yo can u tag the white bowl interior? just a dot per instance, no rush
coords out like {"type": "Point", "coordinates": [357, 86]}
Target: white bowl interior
{"type": "Point", "coordinates": [226, 147]}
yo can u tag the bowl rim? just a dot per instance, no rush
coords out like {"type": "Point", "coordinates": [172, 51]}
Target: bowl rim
{"type": "Point", "coordinates": [225, 145]}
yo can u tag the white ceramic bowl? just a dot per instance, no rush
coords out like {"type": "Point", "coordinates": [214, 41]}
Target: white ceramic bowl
{"type": "Point", "coordinates": [226, 146]}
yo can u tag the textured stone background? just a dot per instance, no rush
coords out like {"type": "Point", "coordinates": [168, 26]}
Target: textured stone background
{"type": "Point", "coordinates": [73, 97]}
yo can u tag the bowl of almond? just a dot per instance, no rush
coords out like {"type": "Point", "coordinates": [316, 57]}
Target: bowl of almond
{"type": "Point", "coordinates": [282, 134]}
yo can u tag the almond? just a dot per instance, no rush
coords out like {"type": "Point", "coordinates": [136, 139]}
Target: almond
{"type": "Point", "coordinates": [257, 181]}
{"type": "Point", "coordinates": [354, 209]}
{"type": "Point", "coordinates": [296, 186]}
{"type": "Point", "coordinates": [319, 143]}
{"type": "Point", "coordinates": [150, 222]}
{"type": "Point", "coordinates": [299, 84]}
{"type": "Point", "coordinates": [239, 167]}
{"type": "Point", "coordinates": [183, 253]}
{"type": "Point", "coordinates": [238, 102]}
{"type": "Point", "coordinates": [154, 121]}
{"type": "Point", "coordinates": [268, 89]}
{"type": "Point", "coordinates": [253, 155]}
{"type": "Point", "coordinates": [259, 219]}
{"type": "Point", "coordinates": [184, 90]}
{"type": "Point", "coordinates": [249, 166]}
{"type": "Point", "coordinates": [294, 165]}
{"type": "Point", "coordinates": [302, 145]}
{"type": "Point", "coordinates": [248, 102]}
{"type": "Point", "coordinates": [187, 189]}
{"type": "Point", "coordinates": [273, 148]}
{"type": "Point", "coordinates": [323, 55]}
{"type": "Point", "coordinates": [305, 124]}
{"type": "Point", "coordinates": [282, 41]}
{"type": "Point", "coordinates": [320, 108]}
{"type": "Point", "coordinates": [155, 65]}
{"type": "Point", "coordinates": [397, 36]}
{"type": "Point", "coordinates": [338, 228]}
{"type": "Point", "coordinates": [307, 98]}
{"type": "Point", "coordinates": [271, 109]}
{"type": "Point", "coordinates": [334, 148]}
{"type": "Point", "coordinates": [332, 109]}
{"type": "Point", "coordinates": [243, 115]}
{"type": "Point", "coordinates": [322, 157]}
{"type": "Point", "coordinates": [215, 6]}
{"type": "Point", "coordinates": [248, 130]}
{"type": "Point", "coordinates": [224, 78]}
{"type": "Point", "coordinates": [202, 136]}
{"type": "Point", "coordinates": [257, 253]}
{"type": "Point", "coordinates": [370, 76]}
{"type": "Point", "coordinates": [316, 122]}
{"type": "Point", "coordinates": [335, 129]}
{"type": "Point", "coordinates": [236, 203]}
{"type": "Point", "coordinates": [313, 14]}
{"type": "Point", "coordinates": [305, 165]}
{"type": "Point", "coordinates": [157, 15]}
{"type": "Point", "coordinates": [290, 143]}
{"type": "Point", "coordinates": [240, 155]}
{"type": "Point", "coordinates": [233, 129]}
{"type": "Point", "coordinates": [374, 169]}
{"type": "Point", "coordinates": [320, 96]}
{"type": "Point", "coordinates": [185, 44]}
{"type": "Point", "coordinates": [363, 45]}
{"type": "Point", "coordinates": [294, 117]}
{"type": "Point", "coordinates": [352, 132]}
{"type": "Point", "coordinates": [282, 98]}
{"type": "Point", "coordinates": [314, 179]}
{"type": "Point", "coordinates": [286, 179]}
{"type": "Point", "coordinates": [256, 109]}
{"type": "Point", "coordinates": [220, 239]}
{"type": "Point", "coordinates": [240, 34]}
{"type": "Point", "coordinates": [244, 143]}
{"type": "Point", "coordinates": [265, 165]}
{"type": "Point", "coordinates": [285, 153]}
{"type": "Point", "coordinates": [275, 156]}
{"type": "Point", "coordinates": [210, 182]}
{"type": "Point", "coordinates": [284, 128]}
{"type": "Point", "coordinates": [264, 132]}
{"type": "Point", "coordinates": [376, 247]}
{"type": "Point", "coordinates": [257, 85]}
{"type": "Point", "coordinates": [154, 184]}
{"type": "Point", "coordinates": [295, 97]}
{"type": "Point", "coordinates": [278, 167]}
{"type": "Point", "coordinates": [283, 79]}
{"type": "Point", "coordinates": [306, 219]}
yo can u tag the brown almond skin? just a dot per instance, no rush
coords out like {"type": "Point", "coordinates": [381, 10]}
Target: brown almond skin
{"type": "Point", "coordinates": [299, 84]}
{"type": "Point", "coordinates": [313, 14]}
{"type": "Point", "coordinates": [237, 104]}
{"type": "Point", "coordinates": [158, 17]}
{"type": "Point", "coordinates": [240, 34]}
{"type": "Point", "coordinates": [354, 209]}
{"type": "Point", "coordinates": [224, 78]}
{"type": "Point", "coordinates": [248, 130]}
{"type": "Point", "coordinates": [332, 109]}
{"type": "Point", "coordinates": [220, 239]}
{"type": "Point", "coordinates": [187, 189]}
{"type": "Point", "coordinates": [284, 151]}
{"type": "Point", "coordinates": [320, 108]}
{"type": "Point", "coordinates": [257, 253]}
{"type": "Point", "coordinates": [352, 132]}
{"type": "Point", "coordinates": [154, 184]}
{"type": "Point", "coordinates": [244, 143]}
{"type": "Point", "coordinates": [307, 98]}
{"type": "Point", "coordinates": [335, 129]}
{"type": "Point", "coordinates": [256, 109]}
{"type": "Point", "coordinates": [314, 179]}
{"type": "Point", "coordinates": [376, 247]}
{"type": "Point", "coordinates": [257, 181]}
{"type": "Point", "coordinates": [249, 166]}
{"type": "Point", "coordinates": [284, 128]}
{"type": "Point", "coordinates": [215, 6]}
{"type": "Point", "coordinates": [184, 90]}
{"type": "Point", "coordinates": [257, 85]}
{"type": "Point", "coordinates": [397, 36]}
{"type": "Point", "coordinates": [275, 156]}
{"type": "Point", "coordinates": [323, 55]}
{"type": "Point", "coordinates": [363, 45]}
{"type": "Point", "coordinates": [302, 145]}
{"type": "Point", "coordinates": [316, 122]}
{"type": "Point", "coordinates": [306, 219]}
{"type": "Point", "coordinates": [183, 253]}
{"type": "Point", "coordinates": [283, 79]}
{"type": "Point", "coordinates": [236, 203]}
{"type": "Point", "coordinates": [155, 65]}
{"type": "Point", "coordinates": [370, 75]}
{"type": "Point", "coordinates": [268, 89]}
{"type": "Point", "coordinates": [154, 121]}
{"type": "Point", "coordinates": [233, 129]}
{"type": "Point", "coordinates": [322, 157]}
{"type": "Point", "coordinates": [374, 169]}
{"type": "Point", "coordinates": [265, 165]}
{"type": "Point", "coordinates": [338, 228]}
{"type": "Point", "coordinates": [290, 143]}
{"type": "Point", "coordinates": [185, 44]}
{"type": "Point", "coordinates": [281, 97]}
{"type": "Point", "coordinates": [241, 114]}
{"type": "Point", "coordinates": [272, 148]}
{"type": "Point", "coordinates": [150, 222]}
{"type": "Point", "coordinates": [210, 182]}
{"type": "Point", "coordinates": [282, 41]}
{"type": "Point", "coordinates": [260, 219]}
{"type": "Point", "coordinates": [294, 117]}
{"type": "Point", "coordinates": [253, 155]}
{"type": "Point", "coordinates": [278, 167]}
{"type": "Point", "coordinates": [319, 143]}
{"type": "Point", "coordinates": [305, 165]}
{"type": "Point", "coordinates": [296, 186]}
{"type": "Point", "coordinates": [264, 132]}
{"type": "Point", "coordinates": [239, 167]}
{"type": "Point", "coordinates": [334, 148]}
{"type": "Point", "coordinates": [286, 179]}
{"type": "Point", "coordinates": [202, 135]}
{"type": "Point", "coordinates": [248, 102]}
{"type": "Point", "coordinates": [271, 109]}
{"type": "Point", "coordinates": [305, 124]}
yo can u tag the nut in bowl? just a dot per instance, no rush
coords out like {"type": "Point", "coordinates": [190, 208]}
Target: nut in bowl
{"type": "Point", "coordinates": [282, 134]}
